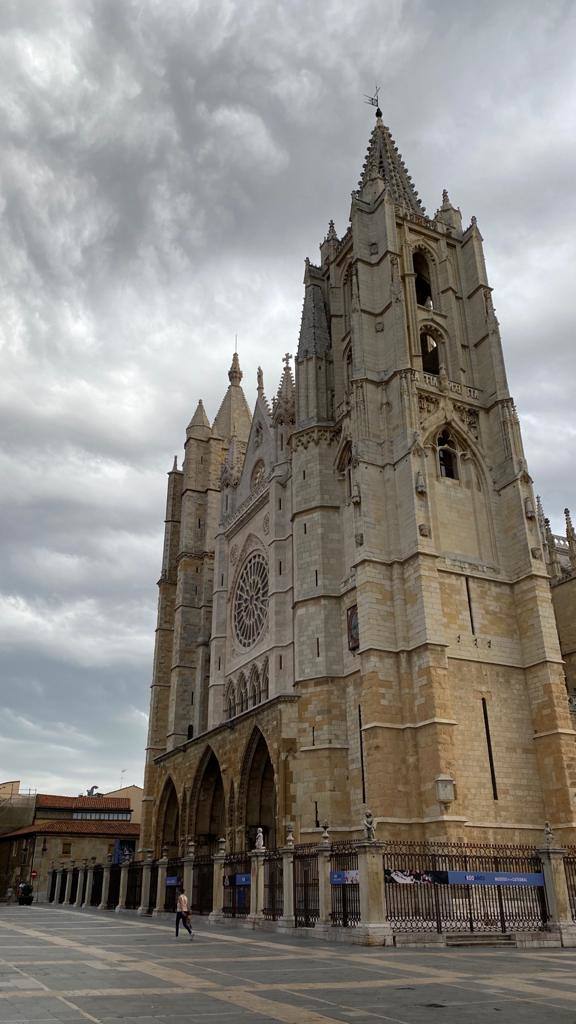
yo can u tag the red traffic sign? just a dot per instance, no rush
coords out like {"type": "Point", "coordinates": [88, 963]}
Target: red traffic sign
{"type": "Point", "coordinates": [33, 874]}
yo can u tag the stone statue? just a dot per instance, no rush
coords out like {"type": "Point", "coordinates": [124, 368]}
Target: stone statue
{"type": "Point", "coordinates": [369, 827]}
{"type": "Point", "coordinates": [548, 835]}
{"type": "Point", "coordinates": [290, 836]}
{"type": "Point", "coordinates": [259, 845]}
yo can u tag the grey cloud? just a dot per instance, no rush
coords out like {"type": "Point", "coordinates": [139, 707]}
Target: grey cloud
{"type": "Point", "coordinates": [164, 170]}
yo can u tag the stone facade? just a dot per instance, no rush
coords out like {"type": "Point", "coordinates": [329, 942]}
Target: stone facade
{"type": "Point", "coordinates": [354, 605]}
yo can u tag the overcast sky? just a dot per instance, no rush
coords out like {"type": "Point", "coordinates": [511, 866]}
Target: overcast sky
{"type": "Point", "coordinates": [165, 167]}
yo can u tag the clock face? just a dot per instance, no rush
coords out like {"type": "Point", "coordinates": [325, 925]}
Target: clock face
{"type": "Point", "coordinates": [251, 600]}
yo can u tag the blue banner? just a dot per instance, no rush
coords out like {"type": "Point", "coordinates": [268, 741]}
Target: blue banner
{"type": "Point", "coordinates": [242, 879]}
{"type": "Point", "coordinates": [172, 880]}
{"type": "Point", "coordinates": [349, 877]}
{"type": "Point", "coordinates": [495, 878]}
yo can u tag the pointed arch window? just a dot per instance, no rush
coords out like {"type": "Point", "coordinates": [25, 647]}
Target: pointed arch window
{"type": "Point", "coordinates": [254, 687]}
{"type": "Point", "coordinates": [348, 369]}
{"type": "Point", "coordinates": [264, 685]}
{"type": "Point", "coordinates": [422, 280]}
{"type": "Point", "coordinates": [447, 455]}
{"type": "Point", "coordinates": [242, 700]}
{"type": "Point", "coordinates": [430, 353]}
{"type": "Point", "coordinates": [230, 702]}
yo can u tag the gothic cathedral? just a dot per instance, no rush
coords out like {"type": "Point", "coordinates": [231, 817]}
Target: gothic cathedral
{"type": "Point", "coordinates": [354, 609]}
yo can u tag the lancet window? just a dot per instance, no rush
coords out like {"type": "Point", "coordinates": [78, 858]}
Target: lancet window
{"type": "Point", "coordinates": [447, 455]}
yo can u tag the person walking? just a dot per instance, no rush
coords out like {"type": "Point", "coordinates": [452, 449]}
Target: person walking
{"type": "Point", "coordinates": [183, 914]}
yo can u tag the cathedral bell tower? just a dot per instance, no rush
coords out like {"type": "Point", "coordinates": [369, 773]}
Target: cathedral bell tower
{"type": "Point", "coordinates": [409, 465]}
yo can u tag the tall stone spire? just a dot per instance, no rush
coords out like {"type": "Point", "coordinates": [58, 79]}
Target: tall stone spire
{"type": "Point", "coordinates": [235, 373]}
{"type": "Point", "coordinates": [314, 331]}
{"type": "Point", "coordinates": [384, 162]}
{"type": "Point", "coordinates": [284, 404]}
{"type": "Point", "coordinates": [571, 538]}
{"type": "Point", "coordinates": [199, 425]}
{"type": "Point", "coordinates": [233, 418]}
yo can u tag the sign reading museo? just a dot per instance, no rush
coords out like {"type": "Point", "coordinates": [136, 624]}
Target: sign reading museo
{"type": "Point", "coordinates": [495, 878]}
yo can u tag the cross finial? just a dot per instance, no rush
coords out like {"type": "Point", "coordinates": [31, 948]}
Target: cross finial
{"type": "Point", "coordinates": [287, 359]}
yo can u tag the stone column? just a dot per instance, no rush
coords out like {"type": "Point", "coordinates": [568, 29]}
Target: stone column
{"type": "Point", "coordinates": [51, 873]}
{"type": "Point", "coordinates": [161, 887]}
{"type": "Point", "coordinates": [59, 873]}
{"type": "Point", "coordinates": [68, 889]}
{"type": "Point", "coordinates": [374, 929]}
{"type": "Point", "coordinates": [288, 919]}
{"type": "Point", "coordinates": [324, 889]}
{"type": "Point", "coordinates": [188, 871]}
{"type": "Point", "coordinates": [121, 905]}
{"type": "Point", "coordinates": [218, 883]}
{"type": "Point", "coordinates": [81, 873]}
{"type": "Point", "coordinates": [146, 878]}
{"type": "Point", "coordinates": [105, 884]}
{"type": "Point", "coordinates": [89, 884]}
{"type": "Point", "coordinates": [560, 911]}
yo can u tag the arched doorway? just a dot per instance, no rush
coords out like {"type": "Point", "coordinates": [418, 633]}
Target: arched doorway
{"type": "Point", "coordinates": [258, 793]}
{"type": "Point", "coordinates": [208, 816]}
{"type": "Point", "coordinates": [169, 822]}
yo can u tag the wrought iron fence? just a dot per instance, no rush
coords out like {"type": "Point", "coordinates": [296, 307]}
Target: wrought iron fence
{"type": "Point", "coordinates": [202, 884]}
{"type": "Point", "coordinates": [114, 887]}
{"type": "Point", "coordinates": [570, 869]}
{"type": "Point", "coordinates": [174, 882]}
{"type": "Point", "coordinates": [306, 886]}
{"type": "Point", "coordinates": [97, 880]}
{"type": "Point", "coordinates": [344, 885]}
{"type": "Point", "coordinates": [134, 886]}
{"type": "Point", "coordinates": [236, 901]}
{"type": "Point", "coordinates": [420, 897]}
{"type": "Point", "coordinates": [273, 886]}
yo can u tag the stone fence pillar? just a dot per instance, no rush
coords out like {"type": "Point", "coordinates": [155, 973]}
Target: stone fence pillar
{"type": "Point", "coordinates": [188, 872]}
{"type": "Point", "coordinates": [81, 874]}
{"type": "Point", "coordinates": [161, 887]}
{"type": "Point", "coordinates": [374, 927]}
{"type": "Point", "coordinates": [218, 883]}
{"type": "Point", "coordinates": [69, 876]}
{"type": "Point", "coordinates": [105, 884]}
{"type": "Point", "coordinates": [89, 883]}
{"type": "Point", "coordinates": [288, 919]}
{"type": "Point", "coordinates": [121, 905]}
{"type": "Point", "coordinates": [324, 887]}
{"type": "Point", "coordinates": [256, 885]}
{"type": "Point", "coordinates": [560, 911]}
{"type": "Point", "coordinates": [146, 879]}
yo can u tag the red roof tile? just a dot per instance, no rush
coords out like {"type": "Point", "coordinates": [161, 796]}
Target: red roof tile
{"type": "Point", "coordinates": [85, 803]}
{"type": "Point", "coordinates": [75, 828]}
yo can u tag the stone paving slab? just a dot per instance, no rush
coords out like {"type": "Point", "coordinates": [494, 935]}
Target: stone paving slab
{"type": "Point", "coordinates": [63, 965]}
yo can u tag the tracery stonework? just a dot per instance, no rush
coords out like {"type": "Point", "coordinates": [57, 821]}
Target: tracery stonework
{"type": "Point", "coordinates": [251, 600]}
{"type": "Point", "coordinates": [353, 587]}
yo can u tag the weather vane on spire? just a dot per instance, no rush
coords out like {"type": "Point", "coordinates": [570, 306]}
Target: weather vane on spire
{"type": "Point", "coordinates": [373, 101]}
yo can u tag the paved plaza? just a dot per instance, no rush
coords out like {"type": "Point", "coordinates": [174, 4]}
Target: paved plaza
{"type": "Point", "coordinates": [72, 966]}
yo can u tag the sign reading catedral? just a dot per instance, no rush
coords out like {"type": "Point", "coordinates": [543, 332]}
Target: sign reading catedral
{"type": "Point", "coordinates": [355, 610]}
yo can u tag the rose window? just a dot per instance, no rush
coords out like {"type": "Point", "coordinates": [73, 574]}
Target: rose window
{"type": "Point", "coordinates": [251, 600]}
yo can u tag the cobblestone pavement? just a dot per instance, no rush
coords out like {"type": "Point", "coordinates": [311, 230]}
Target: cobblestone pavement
{"type": "Point", "coordinates": [66, 965]}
